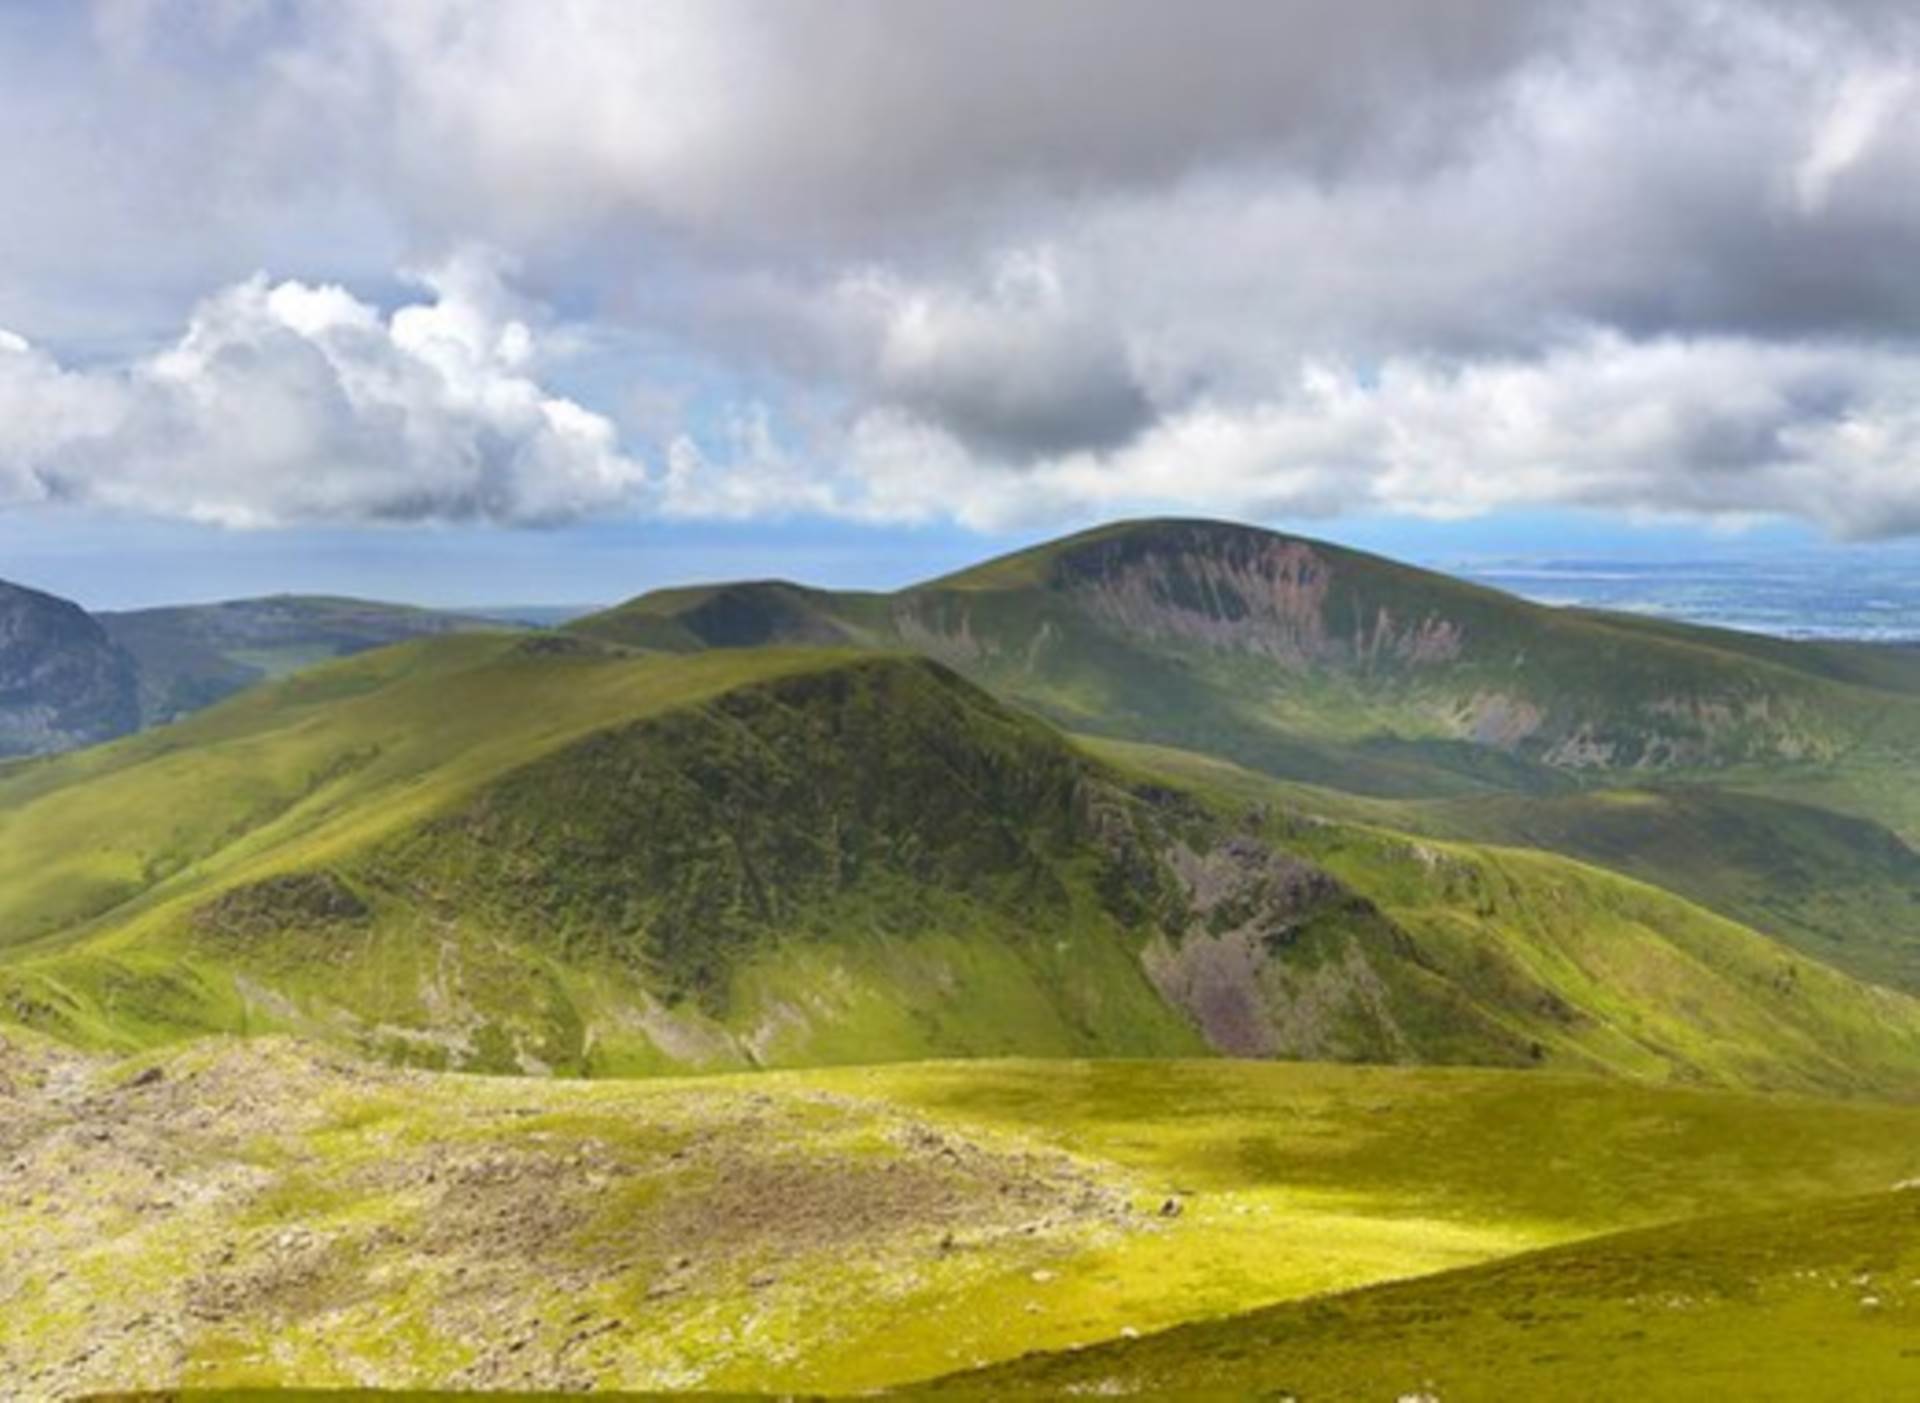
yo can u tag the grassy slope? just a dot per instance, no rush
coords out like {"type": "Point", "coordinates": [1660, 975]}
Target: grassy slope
{"type": "Point", "coordinates": [366, 765]}
{"type": "Point", "coordinates": [331, 758]}
{"type": "Point", "coordinates": [1602, 972]}
{"type": "Point", "coordinates": [283, 1218]}
{"type": "Point", "coordinates": [1817, 1302]}
{"type": "Point", "coordinates": [1841, 889]}
{"type": "Point", "coordinates": [1798, 805]}
{"type": "Point", "coordinates": [342, 761]}
{"type": "Point", "coordinates": [1844, 890]}
{"type": "Point", "coordinates": [600, 862]}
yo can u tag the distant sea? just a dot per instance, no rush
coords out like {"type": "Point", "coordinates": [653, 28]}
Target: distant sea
{"type": "Point", "coordinates": [1830, 595]}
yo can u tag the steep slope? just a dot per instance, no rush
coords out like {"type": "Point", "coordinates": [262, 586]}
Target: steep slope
{"type": "Point", "coordinates": [190, 656]}
{"type": "Point", "coordinates": [62, 681]}
{"type": "Point", "coordinates": [1842, 890]}
{"type": "Point", "coordinates": [601, 861]}
{"type": "Point", "coordinates": [1329, 665]}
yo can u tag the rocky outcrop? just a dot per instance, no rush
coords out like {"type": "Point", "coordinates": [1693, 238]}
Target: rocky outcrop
{"type": "Point", "coordinates": [1244, 590]}
{"type": "Point", "coordinates": [1277, 959]}
{"type": "Point", "coordinates": [62, 681]}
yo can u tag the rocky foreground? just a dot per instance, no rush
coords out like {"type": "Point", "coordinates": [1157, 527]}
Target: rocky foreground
{"type": "Point", "coordinates": [270, 1212]}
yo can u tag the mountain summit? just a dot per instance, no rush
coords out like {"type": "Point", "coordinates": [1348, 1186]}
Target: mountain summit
{"type": "Point", "coordinates": [1314, 662]}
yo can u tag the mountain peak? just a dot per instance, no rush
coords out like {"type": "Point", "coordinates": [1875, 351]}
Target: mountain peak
{"type": "Point", "coordinates": [1039, 565]}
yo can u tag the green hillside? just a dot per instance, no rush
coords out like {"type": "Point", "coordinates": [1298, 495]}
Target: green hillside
{"type": "Point", "coordinates": [545, 853]}
{"type": "Point", "coordinates": [1318, 663]}
{"type": "Point", "coordinates": [1815, 1302]}
{"type": "Point", "coordinates": [1843, 890]}
{"type": "Point", "coordinates": [275, 1214]}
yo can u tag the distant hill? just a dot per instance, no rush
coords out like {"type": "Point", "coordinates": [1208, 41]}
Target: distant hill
{"type": "Point", "coordinates": [1773, 780]}
{"type": "Point", "coordinates": [69, 678]}
{"type": "Point", "coordinates": [190, 656]}
{"type": "Point", "coordinates": [1318, 663]}
{"type": "Point", "coordinates": [63, 682]}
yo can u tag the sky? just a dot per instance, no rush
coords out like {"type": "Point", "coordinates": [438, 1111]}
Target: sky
{"type": "Point", "coordinates": [550, 301]}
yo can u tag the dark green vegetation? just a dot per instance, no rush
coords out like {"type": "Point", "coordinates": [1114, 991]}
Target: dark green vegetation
{"type": "Point", "coordinates": [190, 656]}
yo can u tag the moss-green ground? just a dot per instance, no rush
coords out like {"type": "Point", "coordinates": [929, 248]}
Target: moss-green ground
{"type": "Point", "coordinates": [1819, 1302]}
{"type": "Point", "coordinates": [267, 1215]}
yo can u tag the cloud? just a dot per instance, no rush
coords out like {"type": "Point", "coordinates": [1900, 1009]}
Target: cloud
{"type": "Point", "coordinates": [1862, 110]}
{"type": "Point", "coordinates": [1713, 429]}
{"type": "Point", "coordinates": [1014, 369]}
{"type": "Point", "coordinates": [897, 262]}
{"type": "Point", "coordinates": [287, 402]}
{"type": "Point", "coordinates": [826, 116]}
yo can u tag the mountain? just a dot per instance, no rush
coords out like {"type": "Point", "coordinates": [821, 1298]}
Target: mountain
{"type": "Point", "coordinates": [63, 682]}
{"type": "Point", "coordinates": [1323, 664]}
{"type": "Point", "coordinates": [539, 852]}
{"type": "Point", "coordinates": [190, 656]}
{"type": "Point", "coordinates": [1054, 891]}
{"type": "Point", "coordinates": [69, 678]}
{"type": "Point", "coordinates": [1776, 782]}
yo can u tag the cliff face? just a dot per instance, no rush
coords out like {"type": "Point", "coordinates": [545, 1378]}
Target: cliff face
{"type": "Point", "coordinates": [1248, 591]}
{"type": "Point", "coordinates": [62, 681]}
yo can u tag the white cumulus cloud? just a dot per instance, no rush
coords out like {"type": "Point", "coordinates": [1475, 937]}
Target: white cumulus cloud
{"type": "Point", "coordinates": [287, 402]}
